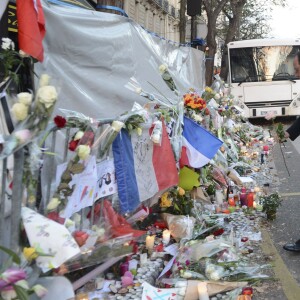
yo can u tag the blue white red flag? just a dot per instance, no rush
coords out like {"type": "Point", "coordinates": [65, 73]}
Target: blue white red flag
{"type": "Point", "coordinates": [142, 168]}
{"type": "Point", "coordinates": [199, 146]}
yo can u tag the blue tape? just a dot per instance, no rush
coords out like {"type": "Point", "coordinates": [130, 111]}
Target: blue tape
{"type": "Point", "coordinates": [118, 9]}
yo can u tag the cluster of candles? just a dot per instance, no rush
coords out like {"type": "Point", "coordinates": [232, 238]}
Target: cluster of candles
{"type": "Point", "coordinates": [150, 239]}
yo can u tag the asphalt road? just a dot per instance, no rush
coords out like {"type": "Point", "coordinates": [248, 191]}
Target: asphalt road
{"type": "Point", "coordinates": [286, 228]}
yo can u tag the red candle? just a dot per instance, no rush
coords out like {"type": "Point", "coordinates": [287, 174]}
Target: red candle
{"type": "Point", "coordinates": [250, 199]}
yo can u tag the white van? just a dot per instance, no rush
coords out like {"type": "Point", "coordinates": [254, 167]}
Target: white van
{"type": "Point", "coordinates": [261, 75]}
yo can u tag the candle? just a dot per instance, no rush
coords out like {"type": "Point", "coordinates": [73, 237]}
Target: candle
{"type": "Point", "coordinates": [166, 236]}
{"type": "Point", "coordinates": [143, 259]}
{"type": "Point", "coordinates": [256, 189]}
{"type": "Point", "coordinates": [254, 204]}
{"type": "Point", "coordinates": [219, 197]}
{"type": "Point", "coordinates": [150, 242]}
{"type": "Point", "coordinates": [202, 291]}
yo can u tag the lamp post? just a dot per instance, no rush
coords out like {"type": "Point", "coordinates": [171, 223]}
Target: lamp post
{"type": "Point", "coordinates": [193, 9]}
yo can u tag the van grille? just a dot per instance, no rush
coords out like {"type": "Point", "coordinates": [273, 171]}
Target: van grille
{"type": "Point", "coordinates": [269, 104]}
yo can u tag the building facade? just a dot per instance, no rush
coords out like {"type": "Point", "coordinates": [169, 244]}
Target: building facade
{"type": "Point", "coordinates": [158, 16]}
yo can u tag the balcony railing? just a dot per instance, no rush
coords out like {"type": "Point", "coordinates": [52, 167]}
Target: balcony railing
{"type": "Point", "coordinates": [166, 6]}
{"type": "Point", "coordinates": [172, 11]}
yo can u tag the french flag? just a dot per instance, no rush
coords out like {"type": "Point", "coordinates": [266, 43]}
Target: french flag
{"type": "Point", "coordinates": [199, 146]}
{"type": "Point", "coordinates": [142, 168]}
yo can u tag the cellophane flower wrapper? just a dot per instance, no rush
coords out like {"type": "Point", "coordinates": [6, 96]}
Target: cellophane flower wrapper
{"type": "Point", "coordinates": [208, 249]}
{"type": "Point", "coordinates": [102, 251]}
{"type": "Point", "coordinates": [219, 176]}
{"type": "Point", "coordinates": [181, 227]}
{"type": "Point", "coordinates": [39, 114]}
{"type": "Point", "coordinates": [245, 273]}
{"type": "Point", "coordinates": [214, 272]}
{"type": "Point", "coordinates": [218, 84]}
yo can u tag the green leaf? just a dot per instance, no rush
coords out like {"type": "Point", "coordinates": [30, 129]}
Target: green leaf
{"type": "Point", "coordinates": [22, 294]}
{"type": "Point", "coordinates": [15, 257]}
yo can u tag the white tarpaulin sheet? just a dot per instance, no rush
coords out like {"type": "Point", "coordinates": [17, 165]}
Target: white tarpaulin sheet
{"type": "Point", "coordinates": [94, 54]}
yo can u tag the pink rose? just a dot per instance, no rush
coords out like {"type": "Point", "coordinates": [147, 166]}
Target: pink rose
{"type": "Point", "coordinates": [23, 135]}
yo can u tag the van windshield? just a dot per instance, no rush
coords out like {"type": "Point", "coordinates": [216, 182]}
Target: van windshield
{"type": "Point", "coordinates": [255, 64]}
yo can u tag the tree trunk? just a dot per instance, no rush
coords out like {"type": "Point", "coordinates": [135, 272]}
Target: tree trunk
{"type": "Point", "coordinates": [182, 21]}
{"type": "Point", "coordinates": [212, 15]}
{"type": "Point", "coordinates": [233, 31]}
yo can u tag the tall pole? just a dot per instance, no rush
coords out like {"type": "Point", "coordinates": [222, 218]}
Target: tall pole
{"type": "Point", "coordinates": [182, 21]}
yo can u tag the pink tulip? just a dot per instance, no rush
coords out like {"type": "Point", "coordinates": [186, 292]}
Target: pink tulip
{"type": "Point", "coordinates": [10, 276]}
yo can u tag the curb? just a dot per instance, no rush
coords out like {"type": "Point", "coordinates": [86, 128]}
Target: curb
{"type": "Point", "coordinates": [290, 286]}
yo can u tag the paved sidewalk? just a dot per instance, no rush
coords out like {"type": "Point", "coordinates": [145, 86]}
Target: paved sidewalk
{"type": "Point", "coordinates": [286, 227]}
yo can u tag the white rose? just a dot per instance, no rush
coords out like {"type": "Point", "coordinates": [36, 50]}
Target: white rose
{"type": "Point", "coordinates": [138, 90]}
{"type": "Point", "coordinates": [23, 54]}
{"type": "Point", "coordinates": [22, 135]}
{"type": "Point", "coordinates": [215, 276]}
{"type": "Point", "coordinates": [25, 98]}
{"type": "Point", "coordinates": [47, 95]}
{"type": "Point", "coordinates": [53, 204]}
{"type": "Point", "coordinates": [69, 223]}
{"type": "Point", "coordinates": [9, 294]}
{"type": "Point", "coordinates": [20, 111]}
{"type": "Point", "coordinates": [217, 96]}
{"type": "Point", "coordinates": [117, 125]}
{"type": "Point", "coordinates": [139, 131]}
{"type": "Point", "coordinates": [78, 135]}
{"type": "Point", "coordinates": [77, 218]}
{"type": "Point", "coordinates": [209, 269]}
{"type": "Point", "coordinates": [197, 118]}
{"type": "Point", "coordinates": [7, 44]}
{"type": "Point", "coordinates": [44, 80]}
{"type": "Point", "coordinates": [163, 68]}
{"type": "Point", "coordinates": [155, 138]}
{"type": "Point", "coordinates": [83, 151]}
{"type": "Point", "coordinates": [186, 274]}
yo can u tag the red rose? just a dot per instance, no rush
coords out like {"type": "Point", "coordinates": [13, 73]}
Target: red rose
{"type": "Point", "coordinates": [218, 232]}
{"type": "Point", "coordinates": [73, 145]}
{"type": "Point", "coordinates": [60, 121]}
{"type": "Point", "coordinates": [55, 217]}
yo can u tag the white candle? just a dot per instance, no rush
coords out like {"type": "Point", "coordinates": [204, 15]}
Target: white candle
{"type": "Point", "coordinates": [256, 189]}
{"type": "Point", "coordinates": [150, 242]}
{"type": "Point", "coordinates": [143, 259]}
{"type": "Point", "coordinates": [202, 291]}
{"type": "Point", "coordinates": [254, 204]}
{"type": "Point", "coordinates": [166, 236]}
{"type": "Point", "coordinates": [219, 197]}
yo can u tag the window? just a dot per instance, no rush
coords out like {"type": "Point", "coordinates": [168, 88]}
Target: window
{"type": "Point", "coordinates": [270, 63]}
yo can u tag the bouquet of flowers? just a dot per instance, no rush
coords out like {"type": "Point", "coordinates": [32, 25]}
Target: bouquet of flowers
{"type": "Point", "coordinates": [32, 117]}
{"type": "Point", "coordinates": [14, 277]}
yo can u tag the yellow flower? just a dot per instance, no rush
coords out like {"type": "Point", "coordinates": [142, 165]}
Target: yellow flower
{"type": "Point", "coordinates": [165, 201]}
{"type": "Point", "coordinates": [30, 253]}
{"type": "Point", "coordinates": [180, 191]}
{"type": "Point", "coordinates": [208, 90]}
